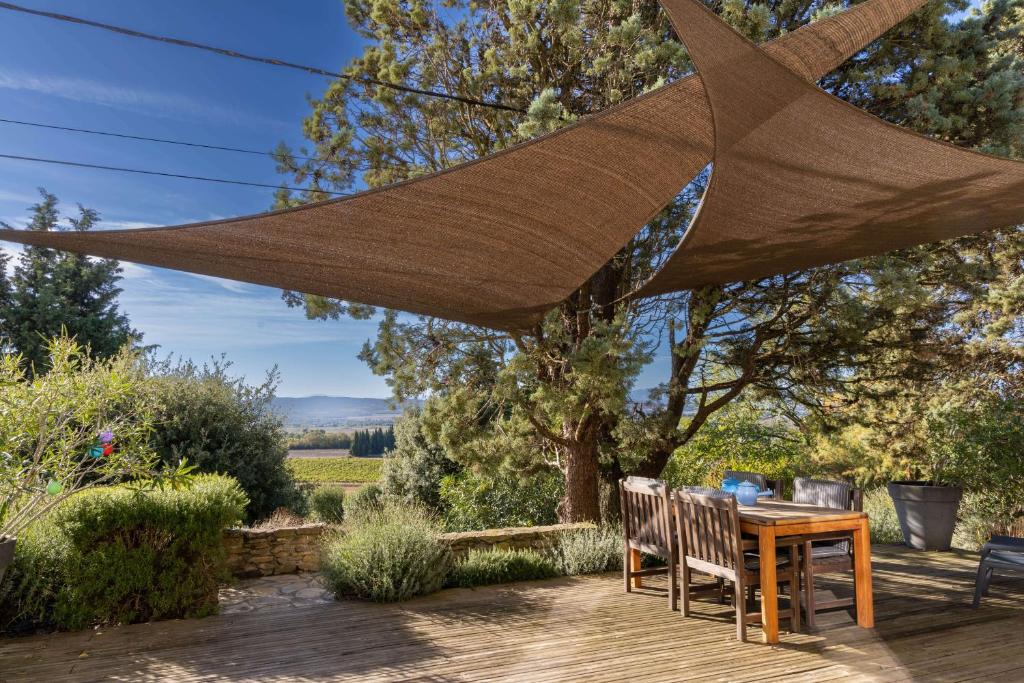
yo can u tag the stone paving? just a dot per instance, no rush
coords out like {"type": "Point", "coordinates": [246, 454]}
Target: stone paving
{"type": "Point", "coordinates": [273, 592]}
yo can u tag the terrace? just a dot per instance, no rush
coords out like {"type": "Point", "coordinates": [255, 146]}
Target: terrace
{"type": "Point", "coordinates": [584, 629]}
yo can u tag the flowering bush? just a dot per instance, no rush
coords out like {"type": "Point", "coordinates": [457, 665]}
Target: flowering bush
{"type": "Point", "coordinates": [84, 423]}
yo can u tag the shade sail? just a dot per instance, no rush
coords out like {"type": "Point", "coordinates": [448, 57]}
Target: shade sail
{"type": "Point", "coordinates": [495, 242]}
{"type": "Point", "coordinates": [802, 178]}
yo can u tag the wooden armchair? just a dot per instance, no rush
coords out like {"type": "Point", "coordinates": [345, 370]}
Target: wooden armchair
{"type": "Point", "coordinates": [825, 554]}
{"type": "Point", "coordinates": [648, 528]}
{"type": "Point", "coordinates": [709, 541]}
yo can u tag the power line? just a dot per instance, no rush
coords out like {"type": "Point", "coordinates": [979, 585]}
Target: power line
{"type": "Point", "coordinates": [79, 164]}
{"type": "Point", "coordinates": [127, 136]}
{"type": "Point", "coordinates": [262, 60]}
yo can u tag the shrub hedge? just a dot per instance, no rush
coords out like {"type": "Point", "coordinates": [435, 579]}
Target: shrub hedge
{"type": "Point", "coordinates": [120, 555]}
{"type": "Point", "coordinates": [328, 504]}
{"type": "Point", "coordinates": [486, 567]}
{"type": "Point", "coordinates": [588, 551]}
{"type": "Point", "coordinates": [386, 555]}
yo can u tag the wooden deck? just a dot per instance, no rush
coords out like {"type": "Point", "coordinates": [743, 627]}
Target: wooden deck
{"type": "Point", "coordinates": [584, 629]}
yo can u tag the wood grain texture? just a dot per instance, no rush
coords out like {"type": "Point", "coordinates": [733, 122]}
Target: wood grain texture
{"type": "Point", "coordinates": [574, 630]}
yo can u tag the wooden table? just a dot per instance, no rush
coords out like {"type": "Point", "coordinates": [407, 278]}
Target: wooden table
{"type": "Point", "coordinates": [772, 520]}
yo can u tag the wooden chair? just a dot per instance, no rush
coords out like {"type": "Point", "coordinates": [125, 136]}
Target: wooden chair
{"type": "Point", "coordinates": [825, 554]}
{"type": "Point", "coordinates": [648, 528]}
{"type": "Point", "coordinates": [762, 482]}
{"type": "Point", "coordinates": [709, 541]}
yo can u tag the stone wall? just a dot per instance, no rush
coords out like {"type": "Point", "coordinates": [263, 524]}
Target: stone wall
{"type": "Point", "coordinates": [533, 537]}
{"type": "Point", "coordinates": [289, 550]}
{"type": "Point", "coordinates": [264, 552]}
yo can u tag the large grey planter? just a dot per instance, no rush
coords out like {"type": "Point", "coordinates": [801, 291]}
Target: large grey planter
{"type": "Point", "coordinates": [6, 554]}
{"type": "Point", "coordinates": [927, 513]}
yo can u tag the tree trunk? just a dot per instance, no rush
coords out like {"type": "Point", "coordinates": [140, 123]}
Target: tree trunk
{"type": "Point", "coordinates": [581, 502]}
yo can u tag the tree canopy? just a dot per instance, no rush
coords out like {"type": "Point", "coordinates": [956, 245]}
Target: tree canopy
{"type": "Point", "coordinates": [814, 342]}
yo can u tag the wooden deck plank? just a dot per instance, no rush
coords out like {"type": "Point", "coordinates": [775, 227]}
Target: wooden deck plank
{"type": "Point", "coordinates": [582, 629]}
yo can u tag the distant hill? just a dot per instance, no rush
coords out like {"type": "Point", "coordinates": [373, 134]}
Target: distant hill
{"type": "Point", "coordinates": [334, 411]}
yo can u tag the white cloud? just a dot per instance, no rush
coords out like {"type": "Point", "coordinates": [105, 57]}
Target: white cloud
{"type": "Point", "coordinates": [230, 285]}
{"type": "Point", "coordinates": [158, 102]}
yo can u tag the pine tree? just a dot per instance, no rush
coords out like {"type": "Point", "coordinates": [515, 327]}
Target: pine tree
{"type": "Point", "coordinates": [558, 396]}
{"type": "Point", "coordinates": [52, 292]}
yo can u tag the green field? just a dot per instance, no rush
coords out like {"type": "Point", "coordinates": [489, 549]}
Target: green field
{"type": "Point", "coordinates": [360, 470]}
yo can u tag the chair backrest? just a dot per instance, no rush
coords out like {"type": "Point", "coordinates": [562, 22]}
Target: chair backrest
{"type": "Point", "coordinates": [647, 515]}
{"type": "Point", "coordinates": [838, 495]}
{"type": "Point", "coordinates": [709, 532]}
{"type": "Point", "coordinates": [706, 491]}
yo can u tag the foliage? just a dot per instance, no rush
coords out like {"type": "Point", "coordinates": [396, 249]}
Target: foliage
{"type": "Point", "coordinates": [365, 501]}
{"type": "Point", "coordinates": [474, 501]}
{"type": "Point", "coordinates": [744, 436]}
{"type": "Point", "coordinates": [53, 293]}
{"type": "Point", "coordinates": [885, 527]}
{"type": "Point", "coordinates": [328, 504]}
{"type": "Point", "coordinates": [554, 397]}
{"type": "Point", "coordinates": [311, 439]}
{"type": "Point", "coordinates": [589, 551]}
{"type": "Point", "coordinates": [223, 425]}
{"type": "Point", "coordinates": [50, 423]}
{"type": "Point", "coordinates": [340, 469]}
{"type": "Point", "coordinates": [386, 555]}
{"type": "Point", "coordinates": [413, 471]}
{"type": "Point", "coordinates": [487, 567]}
{"type": "Point", "coordinates": [123, 555]}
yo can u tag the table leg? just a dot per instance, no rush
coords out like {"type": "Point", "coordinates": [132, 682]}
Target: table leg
{"type": "Point", "coordinates": [634, 565]}
{"type": "Point", "coordinates": [862, 575]}
{"type": "Point", "coordinates": [769, 585]}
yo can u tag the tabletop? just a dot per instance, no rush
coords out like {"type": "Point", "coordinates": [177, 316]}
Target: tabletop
{"type": "Point", "coordinates": [782, 512]}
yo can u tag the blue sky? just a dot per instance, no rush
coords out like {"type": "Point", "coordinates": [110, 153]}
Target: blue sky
{"type": "Point", "coordinates": [74, 76]}
{"type": "Point", "coordinates": [62, 74]}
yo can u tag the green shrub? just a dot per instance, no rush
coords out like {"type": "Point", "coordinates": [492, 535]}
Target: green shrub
{"type": "Point", "coordinates": [744, 437]}
{"type": "Point", "coordinates": [413, 470]}
{"type": "Point", "coordinates": [328, 504]}
{"type": "Point", "coordinates": [474, 501]}
{"type": "Point", "coordinates": [122, 555]}
{"type": "Point", "coordinates": [885, 527]}
{"type": "Point", "coordinates": [386, 555]}
{"type": "Point", "coordinates": [334, 470]}
{"type": "Point", "coordinates": [486, 567]}
{"type": "Point", "coordinates": [588, 551]}
{"type": "Point", "coordinates": [366, 500]}
{"type": "Point", "coordinates": [225, 426]}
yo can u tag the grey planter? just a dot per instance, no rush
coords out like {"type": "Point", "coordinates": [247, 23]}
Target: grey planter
{"type": "Point", "coordinates": [6, 554]}
{"type": "Point", "coordinates": [927, 513]}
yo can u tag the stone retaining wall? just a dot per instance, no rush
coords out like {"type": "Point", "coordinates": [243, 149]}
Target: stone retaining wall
{"type": "Point", "coordinates": [264, 552]}
{"type": "Point", "coordinates": [533, 537]}
{"type": "Point", "coordinates": [289, 550]}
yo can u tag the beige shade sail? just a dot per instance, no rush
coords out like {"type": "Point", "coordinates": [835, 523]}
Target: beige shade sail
{"type": "Point", "coordinates": [495, 242]}
{"type": "Point", "coordinates": [802, 178]}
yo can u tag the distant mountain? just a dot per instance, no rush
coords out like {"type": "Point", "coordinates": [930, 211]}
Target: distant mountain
{"type": "Point", "coordinates": [334, 411]}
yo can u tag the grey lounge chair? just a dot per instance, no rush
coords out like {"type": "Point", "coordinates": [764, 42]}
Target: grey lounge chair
{"type": "Point", "coordinates": [1004, 553]}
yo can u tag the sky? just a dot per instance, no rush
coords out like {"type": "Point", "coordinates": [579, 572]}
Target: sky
{"type": "Point", "coordinates": [68, 75]}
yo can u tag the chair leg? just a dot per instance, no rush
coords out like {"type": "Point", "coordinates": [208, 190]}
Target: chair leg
{"type": "Point", "coordinates": [626, 567]}
{"type": "Point", "coordinates": [685, 589]}
{"type": "Point", "coordinates": [794, 600]}
{"type": "Point", "coordinates": [981, 583]}
{"type": "Point", "coordinates": [808, 572]}
{"type": "Point", "coordinates": [988, 581]}
{"type": "Point", "coordinates": [741, 613]}
{"type": "Point", "coordinates": [673, 585]}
